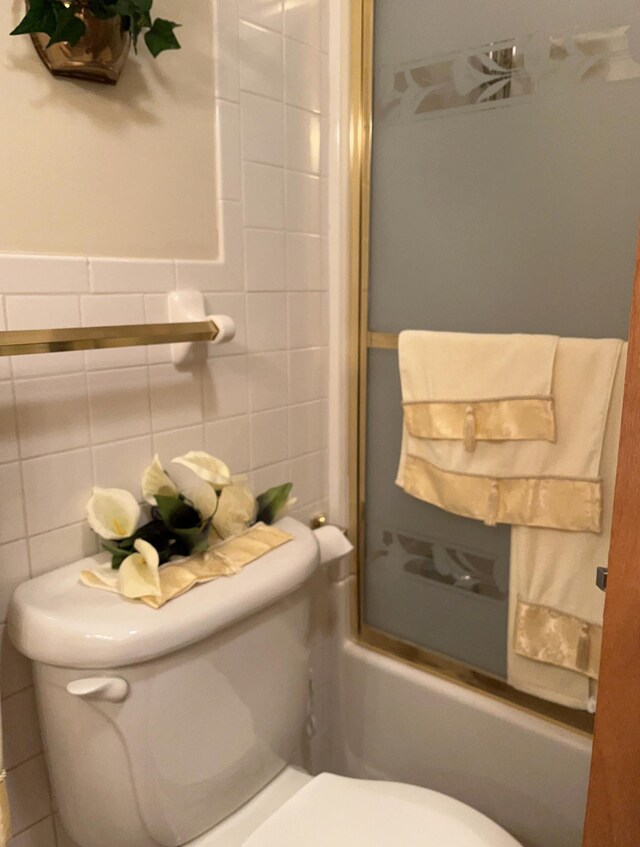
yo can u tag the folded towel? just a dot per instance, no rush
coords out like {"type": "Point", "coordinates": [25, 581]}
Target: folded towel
{"type": "Point", "coordinates": [534, 482]}
{"type": "Point", "coordinates": [224, 559]}
{"type": "Point", "coordinates": [555, 608]}
{"type": "Point", "coordinates": [470, 387]}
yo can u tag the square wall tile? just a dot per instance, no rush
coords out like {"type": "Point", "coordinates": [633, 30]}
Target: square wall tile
{"type": "Point", "coordinates": [228, 439]}
{"type": "Point", "coordinates": [266, 322]}
{"type": "Point", "coordinates": [229, 178]}
{"type": "Point", "coordinates": [268, 387]}
{"type": "Point", "coordinates": [308, 319]}
{"type": "Point", "coordinates": [269, 438]}
{"type": "Point", "coordinates": [263, 196]}
{"type": "Point", "coordinates": [56, 489]}
{"type": "Point", "coordinates": [29, 793]}
{"type": "Point", "coordinates": [11, 514]}
{"type": "Point", "coordinates": [43, 274]}
{"type": "Point", "coordinates": [44, 312]}
{"type": "Point", "coordinates": [8, 434]}
{"type": "Point", "coordinates": [39, 835]}
{"type": "Point", "coordinates": [114, 309]}
{"type": "Point", "coordinates": [262, 130]}
{"type": "Point", "coordinates": [308, 425]}
{"type": "Point", "coordinates": [308, 374]}
{"type": "Point", "coordinates": [218, 275]}
{"type": "Point", "coordinates": [264, 478]}
{"type": "Point", "coordinates": [119, 404]}
{"type": "Point", "coordinates": [302, 202]}
{"type": "Point", "coordinates": [260, 60]}
{"type": "Point", "coordinates": [302, 76]}
{"type": "Point", "coordinates": [303, 140]}
{"type": "Point", "coordinates": [15, 669]}
{"type": "Point", "coordinates": [14, 569]}
{"type": "Point", "coordinates": [176, 397]}
{"type": "Point", "coordinates": [265, 260]}
{"type": "Point", "coordinates": [177, 442]}
{"type": "Point", "coordinates": [225, 387]}
{"type": "Point", "coordinates": [304, 262]}
{"type": "Point", "coordinates": [307, 478]}
{"type": "Point", "coordinates": [120, 464]}
{"type": "Point", "coordinates": [20, 728]}
{"type": "Point", "coordinates": [302, 21]}
{"type": "Point", "coordinates": [53, 414]}
{"type": "Point", "coordinates": [267, 13]}
{"type": "Point", "coordinates": [60, 547]}
{"type": "Point", "coordinates": [129, 276]}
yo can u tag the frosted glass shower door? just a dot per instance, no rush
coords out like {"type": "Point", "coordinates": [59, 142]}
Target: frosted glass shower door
{"type": "Point", "coordinates": [504, 198]}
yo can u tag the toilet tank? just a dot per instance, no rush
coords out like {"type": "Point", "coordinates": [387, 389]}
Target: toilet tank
{"type": "Point", "coordinates": [157, 724]}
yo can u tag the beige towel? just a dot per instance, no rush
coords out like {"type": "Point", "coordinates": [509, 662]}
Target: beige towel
{"type": "Point", "coordinates": [224, 559]}
{"type": "Point", "coordinates": [471, 387]}
{"type": "Point", "coordinates": [528, 483]}
{"type": "Point", "coordinates": [555, 608]}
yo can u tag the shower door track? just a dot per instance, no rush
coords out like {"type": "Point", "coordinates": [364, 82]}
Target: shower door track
{"type": "Point", "coordinates": [360, 341]}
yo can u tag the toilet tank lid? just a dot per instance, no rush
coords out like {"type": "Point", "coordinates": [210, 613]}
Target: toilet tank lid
{"type": "Point", "coordinates": [56, 620]}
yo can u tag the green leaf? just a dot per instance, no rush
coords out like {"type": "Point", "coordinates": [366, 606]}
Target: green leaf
{"type": "Point", "coordinates": [190, 533]}
{"type": "Point", "coordinates": [175, 513]}
{"type": "Point", "coordinates": [68, 28]}
{"type": "Point", "coordinates": [161, 37]}
{"type": "Point", "coordinates": [272, 502]}
{"type": "Point", "coordinates": [40, 18]}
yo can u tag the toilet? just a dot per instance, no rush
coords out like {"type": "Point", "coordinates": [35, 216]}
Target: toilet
{"type": "Point", "coordinates": [183, 726]}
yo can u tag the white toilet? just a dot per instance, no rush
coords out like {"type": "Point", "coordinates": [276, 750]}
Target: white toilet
{"type": "Point", "coordinates": [179, 726]}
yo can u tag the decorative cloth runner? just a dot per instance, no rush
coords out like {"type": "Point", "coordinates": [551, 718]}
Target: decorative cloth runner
{"type": "Point", "coordinates": [224, 559]}
{"type": "Point", "coordinates": [555, 608]}
{"type": "Point", "coordinates": [470, 387]}
{"type": "Point", "coordinates": [534, 482]}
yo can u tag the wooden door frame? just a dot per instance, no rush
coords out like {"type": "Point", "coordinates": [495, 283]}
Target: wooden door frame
{"type": "Point", "coordinates": [613, 805]}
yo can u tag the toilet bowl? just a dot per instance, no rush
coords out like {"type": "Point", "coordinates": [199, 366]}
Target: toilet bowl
{"type": "Point", "coordinates": [179, 726]}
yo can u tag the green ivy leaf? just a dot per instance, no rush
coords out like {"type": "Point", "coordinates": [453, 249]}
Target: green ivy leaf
{"type": "Point", "coordinates": [272, 502]}
{"type": "Point", "coordinates": [68, 27]}
{"type": "Point", "coordinates": [161, 37]}
{"type": "Point", "coordinates": [39, 18]}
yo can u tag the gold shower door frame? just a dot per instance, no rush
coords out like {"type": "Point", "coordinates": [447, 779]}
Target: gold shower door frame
{"type": "Point", "coordinates": [361, 341]}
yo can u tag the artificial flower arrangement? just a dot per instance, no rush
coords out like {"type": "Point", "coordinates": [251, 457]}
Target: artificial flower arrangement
{"type": "Point", "coordinates": [201, 507]}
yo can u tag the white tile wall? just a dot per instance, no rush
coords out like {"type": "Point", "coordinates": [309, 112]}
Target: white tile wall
{"type": "Point", "coordinates": [69, 421]}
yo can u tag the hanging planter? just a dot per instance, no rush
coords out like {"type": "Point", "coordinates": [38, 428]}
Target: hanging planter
{"type": "Point", "coordinates": [90, 39]}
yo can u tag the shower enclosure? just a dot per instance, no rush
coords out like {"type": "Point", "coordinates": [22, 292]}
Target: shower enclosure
{"type": "Point", "coordinates": [496, 163]}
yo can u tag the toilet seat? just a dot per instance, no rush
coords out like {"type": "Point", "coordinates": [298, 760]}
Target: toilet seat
{"type": "Point", "coordinates": [335, 811]}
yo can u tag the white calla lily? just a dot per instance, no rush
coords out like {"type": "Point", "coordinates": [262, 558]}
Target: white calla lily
{"type": "Point", "coordinates": [211, 470]}
{"type": "Point", "coordinates": [237, 508]}
{"type": "Point", "coordinates": [139, 575]}
{"type": "Point", "coordinates": [203, 498]}
{"type": "Point", "coordinates": [113, 513]}
{"type": "Point", "coordinates": [156, 481]}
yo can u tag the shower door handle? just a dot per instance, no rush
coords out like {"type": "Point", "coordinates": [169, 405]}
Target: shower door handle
{"type": "Point", "coordinates": [601, 578]}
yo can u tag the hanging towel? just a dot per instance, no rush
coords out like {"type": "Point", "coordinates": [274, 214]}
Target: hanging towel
{"type": "Point", "coordinates": [528, 483]}
{"type": "Point", "coordinates": [468, 387]}
{"type": "Point", "coordinates": [224, 559]}
{"type": "Point", "coordinates": [555, 608]}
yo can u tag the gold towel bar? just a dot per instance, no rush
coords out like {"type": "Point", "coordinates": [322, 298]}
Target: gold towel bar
{"type": "Point", "coordinates": [382, 340]}
{"type": "Point", "coordinates": [24, 341]}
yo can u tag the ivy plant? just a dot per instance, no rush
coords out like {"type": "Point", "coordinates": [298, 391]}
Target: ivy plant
{"type": "Point", "coordinates": [59, 20]}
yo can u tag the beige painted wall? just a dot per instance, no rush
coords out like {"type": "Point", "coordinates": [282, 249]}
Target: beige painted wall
{"type": "Point", "coordinates": [124, 171]}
